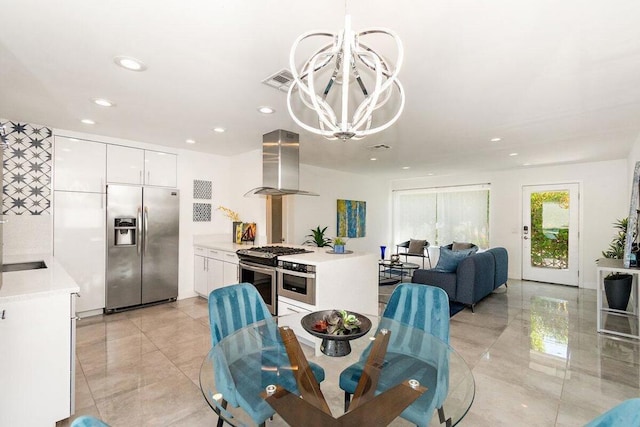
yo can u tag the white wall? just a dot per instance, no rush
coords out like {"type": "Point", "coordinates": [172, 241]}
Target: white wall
{"type": "Point", "coordinates": [604, 198]}
{"type": "Point", "coordinates": [307, 212]}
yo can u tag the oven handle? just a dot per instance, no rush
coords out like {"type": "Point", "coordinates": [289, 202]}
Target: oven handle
{"type": "Point", "coordinates": [257, 268]}
{"type": "Point", "coordinates": [296, 273]}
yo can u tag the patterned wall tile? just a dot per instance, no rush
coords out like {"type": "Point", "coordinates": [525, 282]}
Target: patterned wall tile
{"type": "Point", "coordinates": [201, 212]}
{"type": "Point", "coordinates": [201, 189]}
{"type": "Point", "coordinates": [27, 168]}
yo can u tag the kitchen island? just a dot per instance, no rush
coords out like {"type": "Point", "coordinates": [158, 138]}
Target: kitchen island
{"type": "Point", "coordinates": [341, 281]}
{"type": "Point", "coordinates": [37, 332]}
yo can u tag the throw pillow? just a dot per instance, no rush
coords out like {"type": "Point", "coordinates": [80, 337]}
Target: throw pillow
{"type": "Point", "coordinates": [416, 247]}
{"type": "Point", "coordinates": [467, 248]}
{"type": "Point", "coordinates": [457, 246]}
{"type": "Point", "coordinates": [449, 260]}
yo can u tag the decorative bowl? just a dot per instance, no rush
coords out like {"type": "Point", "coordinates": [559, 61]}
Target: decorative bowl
{"type": "Point", "coordinates": [332, 344]}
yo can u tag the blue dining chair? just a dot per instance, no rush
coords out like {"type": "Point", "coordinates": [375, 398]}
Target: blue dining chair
{"type": "Point", "coordinates": [88, 421]}
{"type": "Point", "coordinates": [232, 308]}
{"type": "Point", "coordinates": [425, 308]}
{"type": "Point", "coordinates": [625, 414]}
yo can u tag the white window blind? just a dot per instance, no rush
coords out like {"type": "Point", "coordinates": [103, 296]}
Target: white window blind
{"type": "Point", "coordinates": [442, 215]}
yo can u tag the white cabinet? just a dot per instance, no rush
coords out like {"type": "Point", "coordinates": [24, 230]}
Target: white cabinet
{"type": "Point", "coordinates": [36, 359]}
{"type": "Point", "coordinates": [80, 165]}
{"type": "Point", "coordinates": [160, 169]}
{"type": "Point", "coordinates": [128, 165]}
{"type": "Point", "coordinates": [213, 269]}
{"type": "Point", "coordinates": [79, 243]}
{"type": "Point", "coordinates": [125, 165]}
{"type": "Point", "coordinates": [200, 275]}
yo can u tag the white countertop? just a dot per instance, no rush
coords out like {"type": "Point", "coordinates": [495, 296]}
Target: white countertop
{"type": "Point", "coordinates": [43, 281]}
{"type": "Point", "coordinates": [319, 255]}
{"type": "Point", "coordinates": [216, 243]}
{"type": "Point", "coordinates": [315, 257]}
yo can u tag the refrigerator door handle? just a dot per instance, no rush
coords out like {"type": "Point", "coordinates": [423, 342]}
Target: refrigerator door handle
{"type": "Point", "coordinates": [139, 219]}
{"type": "Point", "coordinates": [146, 229]}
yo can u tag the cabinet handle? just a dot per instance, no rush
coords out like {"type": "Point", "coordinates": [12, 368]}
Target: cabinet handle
{"type": "Point", "coordinates": [3, 316]}
{"type": "Point", "coordinates": [140, 179]}
{"type": "Point", "coordinates": [291, 309]}
{"type": "Point", "coordinates": [148, 177]}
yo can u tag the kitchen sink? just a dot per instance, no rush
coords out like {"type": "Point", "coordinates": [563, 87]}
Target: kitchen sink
{"type": "Point", "coordinates": [21, 266]}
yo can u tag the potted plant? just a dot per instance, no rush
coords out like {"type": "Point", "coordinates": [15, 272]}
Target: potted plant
{"type": "Point", "coordinates": [317, 238]}
{"type": "Point", "coordinates": [338, 245]}
{"type": "Point", "coordinates": [617, 286]}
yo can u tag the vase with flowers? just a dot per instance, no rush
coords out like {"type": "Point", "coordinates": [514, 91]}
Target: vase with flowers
{"type": "Point", "coordinates": [237, 224]}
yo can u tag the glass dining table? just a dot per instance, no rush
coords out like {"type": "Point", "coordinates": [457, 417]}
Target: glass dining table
{"type": "Point", "coordinates": [239, 374]}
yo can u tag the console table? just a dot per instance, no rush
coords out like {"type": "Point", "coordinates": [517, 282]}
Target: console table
{"type": "Point", "coordinates": [625, 323]}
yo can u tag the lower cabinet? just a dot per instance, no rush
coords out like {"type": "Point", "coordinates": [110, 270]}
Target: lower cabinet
{"type": "Point", "coordinates": [36, 360]}
{"type": "Point", "coordinates": [213, 269]}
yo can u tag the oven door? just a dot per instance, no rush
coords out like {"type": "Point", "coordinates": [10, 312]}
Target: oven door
{"type": "Point", "coordinates": [264, 279]}
{"type": "Point", "coordinates": [297, 286]}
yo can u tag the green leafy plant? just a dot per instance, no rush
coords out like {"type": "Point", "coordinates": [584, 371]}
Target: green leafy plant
{"type": "Point", "coordinates": [317, 238]}
{"type": "Point", "coordinates": [340, 241]}
{"type": "Point", "coordinates": [616, 247]}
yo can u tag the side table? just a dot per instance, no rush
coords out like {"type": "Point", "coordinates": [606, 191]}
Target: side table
{"type": "Point", "coordinates": [391, 273]}
{"type": "Point", "coordinates": [616, 322]}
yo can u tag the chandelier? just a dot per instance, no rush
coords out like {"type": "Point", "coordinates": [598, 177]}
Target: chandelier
{"type": "Point", "coordinates": [348, 63]}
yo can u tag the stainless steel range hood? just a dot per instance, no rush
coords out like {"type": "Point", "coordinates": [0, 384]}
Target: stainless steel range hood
{"type": "Point", "coordinates": [280, 165]}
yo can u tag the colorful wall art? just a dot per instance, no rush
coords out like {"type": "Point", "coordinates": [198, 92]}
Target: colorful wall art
{"type": "Point", "coordinates": [352, 218]}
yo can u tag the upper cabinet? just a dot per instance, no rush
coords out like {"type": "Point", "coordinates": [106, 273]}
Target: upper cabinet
{"type": "Point", "coordinates": [126, 165]}
{"type": "Point", "coordinates": [79, 165]}
{"type": "Point", "coordinates": [160, 169]}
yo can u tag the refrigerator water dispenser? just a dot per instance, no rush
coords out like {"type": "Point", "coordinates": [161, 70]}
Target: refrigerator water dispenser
{"type": "Point", "coordinates": [125, 231]}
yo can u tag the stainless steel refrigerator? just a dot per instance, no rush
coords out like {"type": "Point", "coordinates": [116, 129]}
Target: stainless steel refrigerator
{"type": "Point", "coordinates": [142, 245]}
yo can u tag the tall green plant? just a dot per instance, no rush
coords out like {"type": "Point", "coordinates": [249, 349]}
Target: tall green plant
{"type": "Point", "coordinates": [616, 247]}
{"type": "Point", "coordinates": [317, 238]}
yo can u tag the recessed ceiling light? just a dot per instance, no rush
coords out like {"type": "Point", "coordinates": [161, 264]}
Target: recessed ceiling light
{"type": "Point", "coordinates": [129, 63]}
{"type": "Point", "coordinates": [373, 159]}
{"type": "Point", "coordinates": [88, 122]}
{"type": "Point", "coordinates": [219, 129]}
{"type": "Point", "coordinates": [266, 110]}
{"type": "Point", "coordinates": [513, 154]}
{"type": "Point", "coordinates": [430, 174]}
{"type": "Point", "coordinates": [103, 102]}
{"type": "Point", "coordinates": [406, 167]}
{"type": "Point", "coordinates": [496, 139]}
{"type": "Point", "coordinates": [190, 141]}
{"type": "Point", "coordinates": [526, 164]}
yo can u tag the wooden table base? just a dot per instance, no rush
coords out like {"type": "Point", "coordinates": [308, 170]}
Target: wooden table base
{"type": "Point", "coordinates": [311, 409]}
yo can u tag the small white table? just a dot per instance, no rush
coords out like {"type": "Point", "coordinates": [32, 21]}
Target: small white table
{"type": "Point", "coordinates": [617, 322]}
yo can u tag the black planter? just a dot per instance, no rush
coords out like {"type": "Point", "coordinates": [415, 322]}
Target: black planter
{"type": "Point", "coordinates": [618, 289]}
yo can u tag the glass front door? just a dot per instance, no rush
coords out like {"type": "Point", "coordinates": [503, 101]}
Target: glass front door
{"type": "Point", "coordinates": [550, 234]}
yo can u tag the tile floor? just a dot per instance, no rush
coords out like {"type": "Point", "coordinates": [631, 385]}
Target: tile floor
{"type": "Point", "coordinates": [533, 349]}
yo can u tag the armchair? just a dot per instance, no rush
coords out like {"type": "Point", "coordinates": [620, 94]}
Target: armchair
{"type": "Point", "coordinates": [405, 249]}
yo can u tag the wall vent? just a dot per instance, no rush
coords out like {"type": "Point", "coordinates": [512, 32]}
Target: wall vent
{"type": "Point", "coordinates": [281, 80]}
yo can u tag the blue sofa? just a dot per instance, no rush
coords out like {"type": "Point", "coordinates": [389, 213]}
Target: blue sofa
{"type": "Point", "coordinates": [475, 277]}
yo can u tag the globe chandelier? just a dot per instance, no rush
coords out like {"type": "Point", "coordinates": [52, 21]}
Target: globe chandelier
{"type": "Point", "coordinates": [365, 78]}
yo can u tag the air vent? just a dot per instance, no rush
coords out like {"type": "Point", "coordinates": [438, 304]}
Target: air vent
{"type": "Point", "coordinates": [379, 147]}
{"type": "Point", "coordinates": [281, 80]}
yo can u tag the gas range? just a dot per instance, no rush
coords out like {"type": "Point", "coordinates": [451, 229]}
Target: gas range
{"type": "Point", "coordinates": [268, 255]}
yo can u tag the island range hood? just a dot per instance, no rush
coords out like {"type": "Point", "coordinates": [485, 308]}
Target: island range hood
{"type": "Point", "coordinates": [280, 165]}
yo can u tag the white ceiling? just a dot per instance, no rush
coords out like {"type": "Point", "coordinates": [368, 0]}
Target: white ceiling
{"type": "Point", "coordinates": [558, 81]}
